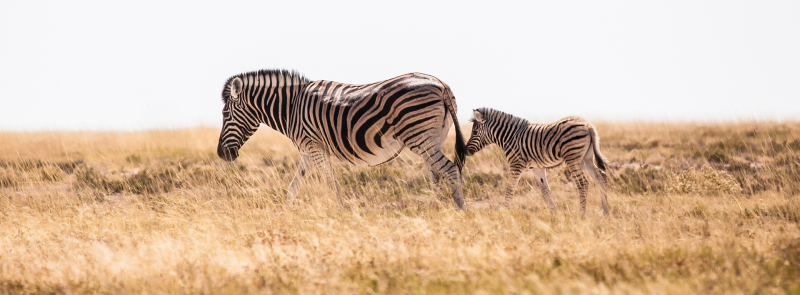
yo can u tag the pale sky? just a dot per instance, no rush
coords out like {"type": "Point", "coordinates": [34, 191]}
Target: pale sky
{"type": "Point", "coordinates": [114, 65]}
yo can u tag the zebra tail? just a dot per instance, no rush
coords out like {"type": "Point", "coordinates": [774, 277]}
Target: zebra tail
{"type": "Point", "coordinates": [599, 159]}
{"type": "Point", "coordinates": [461, 147]}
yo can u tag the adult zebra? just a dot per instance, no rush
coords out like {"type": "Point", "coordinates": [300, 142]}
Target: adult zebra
{"type": "Point", "coordinates": [362, 124]}
{"type": "Point", "coordinates": [571, 140]}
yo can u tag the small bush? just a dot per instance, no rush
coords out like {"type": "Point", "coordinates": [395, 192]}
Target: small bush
{"type": "Point", "coordinates": [705, 181]}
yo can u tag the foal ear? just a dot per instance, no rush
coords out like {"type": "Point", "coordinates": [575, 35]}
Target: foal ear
{"type": "Point", "coordinates": [236, 88]}
{"type": "Point", "coordinates": [478, 116]}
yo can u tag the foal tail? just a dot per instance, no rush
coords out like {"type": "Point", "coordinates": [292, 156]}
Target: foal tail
{"type": "Point", "coordinates": [599, 160]}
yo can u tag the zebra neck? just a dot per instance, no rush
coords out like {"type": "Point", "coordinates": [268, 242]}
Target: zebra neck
{"type": "Point", "coordinates": [504, 135]}
{"type": "Point", "coordinates": [274, 106]}
{"type": "Point", "coordinates": [270, 94]}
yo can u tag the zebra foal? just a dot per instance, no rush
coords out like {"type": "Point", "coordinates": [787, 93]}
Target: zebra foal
{"type": "Point", "coordinates": [571, 140]}
{"type": "Point", "coordinates": [364, 125]}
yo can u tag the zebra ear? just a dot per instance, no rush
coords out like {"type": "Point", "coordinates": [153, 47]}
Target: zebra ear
{"type": "Point", "coordinates": [236, 88]}
{"type": "Point", "coordinates": [478, 116]}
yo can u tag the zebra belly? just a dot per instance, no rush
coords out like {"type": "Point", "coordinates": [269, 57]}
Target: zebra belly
{"type": "Point", "coordinates": [544, 163]}
{"type": "Point", "coordinates": [390, 149]}
{"type": "Point", "coordinates": [548, 165]}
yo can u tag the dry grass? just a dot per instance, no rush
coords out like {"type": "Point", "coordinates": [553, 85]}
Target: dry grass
{"type": "Point", "coordinates": [695, 209]}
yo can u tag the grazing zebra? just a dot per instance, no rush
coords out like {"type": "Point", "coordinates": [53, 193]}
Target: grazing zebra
{"type": "Point", "coordinates": [365, 124]}
{"type": "Point", "coordinates": [571, 140]}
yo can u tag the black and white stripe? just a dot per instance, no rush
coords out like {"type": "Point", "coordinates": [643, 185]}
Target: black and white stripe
{"type": "Point", "coordinates": [362, 124]}
{"type": "Point", "coordinates": [571, 140]}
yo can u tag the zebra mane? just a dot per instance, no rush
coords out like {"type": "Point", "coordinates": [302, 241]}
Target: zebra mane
{"type": "Point", "coordinates": [492, 115]}
{"type": "Point", "coordinates": [281, 78]}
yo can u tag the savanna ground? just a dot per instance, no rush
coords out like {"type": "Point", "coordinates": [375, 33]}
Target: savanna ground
{"type": "Point", "coordinates": [695, 208]}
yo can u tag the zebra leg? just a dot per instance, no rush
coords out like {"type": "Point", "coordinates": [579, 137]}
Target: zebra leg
{"type": "Point", "coordinates": [299, 176]}
{"type": "Point", "coordinates": [588, 163]}
{"type": "Point", "coordinates": [513, 179]}
{"type": "Point", "coordinates": [579, 178]}
{"type": "Point", "coordinates": [433, 176]}
{"type": "Point", "coordinates": [541, 179]}
{"type": "Point", "coordinates": [322, 160]}
{"type": "Point", "coordinates": [447, 170]}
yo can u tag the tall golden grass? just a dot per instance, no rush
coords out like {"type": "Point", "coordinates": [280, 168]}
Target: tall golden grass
{"type": "Point", "coordinates": [696, 208]}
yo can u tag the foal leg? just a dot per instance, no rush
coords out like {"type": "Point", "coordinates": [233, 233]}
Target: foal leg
{"type": "Point", "coordinates": [588, 164]}
{"type": "Point", "coordinates": [299, 177]}
{"type": "Point", "coordinates": [541, 179]}
{"type": "Point", "coordinates": [579, 178]}
{"type": "Point", "coordinates": [514, 173]}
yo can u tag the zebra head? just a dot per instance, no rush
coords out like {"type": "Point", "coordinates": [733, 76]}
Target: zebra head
{"type": "Point", "coordinates": [238, 120]}
{"type": "Point", "coordinates": [480, 135]}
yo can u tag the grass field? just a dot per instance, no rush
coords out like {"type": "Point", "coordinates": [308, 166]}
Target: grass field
{"type": "Point", "coordinates": [695, 208]}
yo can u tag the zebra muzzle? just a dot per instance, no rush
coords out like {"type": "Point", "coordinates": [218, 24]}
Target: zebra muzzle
{"type": "Point", "coordinates": [470, 152]}
{"type": "Point", "coordinates": [227, 154]}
